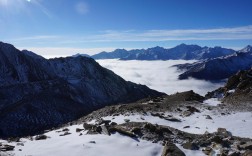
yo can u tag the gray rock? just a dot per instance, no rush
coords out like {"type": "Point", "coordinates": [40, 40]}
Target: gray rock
{"type": "Point", "coordinates": [40, 137]}
{"type": "Point", "coordinates": [207, 150]}
{"type": "Point", "coordinates": [79, 129]}
{"type": "Point", "coordinates": [105, 130]}
{"type": "Point", "coordinates": [171, 149]}
{"type": "Point", "coordinates": [190, 146]}
{"type": "Point", "coordinates": [246, 146]}
{"type": "Point", "coordinates": [87, 126]}
{"type": "Point", "coordinates": [247, 153]}
{"type": "Point", "coordinates": [208, 117]}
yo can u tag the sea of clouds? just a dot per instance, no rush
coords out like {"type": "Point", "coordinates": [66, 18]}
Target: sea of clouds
{"type": "Point", "coordinates": [158, 75]}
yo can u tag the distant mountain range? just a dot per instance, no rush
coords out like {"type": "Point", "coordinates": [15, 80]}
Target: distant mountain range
{"type": "Point", "coordinates": [218, 68]}
{"type": "Point", "coordinates": [36, 93]}
{"type": "Point", "coordinates": [182, 51]}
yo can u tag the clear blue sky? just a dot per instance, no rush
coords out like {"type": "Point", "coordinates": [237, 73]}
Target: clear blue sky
{"type": "Point", "coordinates": [65, 27]}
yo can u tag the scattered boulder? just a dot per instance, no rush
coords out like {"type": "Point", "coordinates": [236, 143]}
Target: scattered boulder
{"type": "Point", "coordinates": [172, 119]}
{"type": "Point", "coordinates": [186, 113]}
{"type": "Point", "coordinates": [127, 120]}
{"type": "Point", "coordinates": [223, 132]}
{"type": "Point", "coordinates": [113, 123]}
{"type": "Point", "coordinates": [122, 131]}
{"type": "Point", "coordinates": [40, 137]}
{"type": "Point", "coordinates": [150, 127]}
{"type": "Point", "coordinates": [209, 117]}
{"type": "Point", "coordinates": [105, 130]}
{"type": "Point", "coordinates": [190, 146]}
{"type": "Point", "coordinates": [235, 154]}
{"type": "Point", "coordinates": [92, 142]}
{"type": "Point", "coordinates": [246, 146]}
{"type": "Point", "coordinates": [192, 109]}
{"type": "Point", "coordinates": [20, 144]}
{"type": "Point", "coordinates": [65, 130]}
{"type": "Point", "coordinates": [5, 148]}
{"type": "Point", "coordinates": [207, 150]}
{"type": "Point", "coordinates": [64, 134]}
{"type": "Point", "coordinates": [247, 153]}
{"type": "Point", "coordinates": [87, 126]}
{"type": "Point", "coordinates": [79, 129]}
{"type": "Point", "coordinates": [171, 149]}
{"type": "Point", "coordinates": [102, 121]}
{"type": "Point", "coordinates": [136, 130]}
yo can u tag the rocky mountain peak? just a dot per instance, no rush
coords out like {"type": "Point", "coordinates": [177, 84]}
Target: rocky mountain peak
{"type": "Point", "coordinates": [248, 48]}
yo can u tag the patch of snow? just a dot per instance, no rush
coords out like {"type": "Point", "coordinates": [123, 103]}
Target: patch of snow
{"type": "Point", "coordinates": [239, 124]}
{"type": "Point", "coordinates": [212, 102]}
{"type": "Point", "coordinates": [76, 145]}
{"type": "Point", "coordinates": [231, 91]}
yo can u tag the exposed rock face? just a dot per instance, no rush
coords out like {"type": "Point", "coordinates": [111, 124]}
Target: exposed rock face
{"type": "Point", "coordinates": [237, 89]}
{"type": "Point", "coordinates": [182, 51]}
{"type": "Point", "coordinates": [218, 68]}
{"type": "Point", "coordinates": [36, 93]}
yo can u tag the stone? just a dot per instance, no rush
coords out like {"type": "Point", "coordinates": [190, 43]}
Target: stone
{"type": "Point", "coordinates": [64, 134]}
{"type": "Point", "coordinates": [223, 132]}
{"type": "Point", "coordinates": [20, 144]}
{"type": "Point", "coordinates": [92, 142]}
{"type": "Point", "coordinates": [246, 146]}
{"type": "Point", "coordinates": [98, 129]}
{"type": "Point", "coordinates": [106, 122]}
{"type": "Point", "coordinates": [87, 126]}
{"type": "Point", "coordinates": [105, 130]}
{"type": "Point", "coordinates": [122, 131]}
{"type": "Point", "coordinates": [65, 129]}
{"type": "Point", "coordinates": [190, 146]}
{"type": "Point", "coordinates": [40, 137]}
{"type": "Point", "coordinates": [150, 127]}
{"type": "Point", "coordinates": [207, 150]}
{"type": "Point", "coordinates": [172, 119]}
{"type": "Point", "coordinates": [186, 113]}
{"type": "Point", "coordinates": [113, 123]}
{"type": "Point", "coordinates": [247, 153]}
{"type": "Point", "coordinates": [127, 120]}
{"type": "Point", "coordinates": [6, 148]}
{"type": "Point", "coordinates": [235, 154]}
{"type": "Point", "coordinates": [216, 139]}
{"type": "Point", "coordinates": [136, 130]}
{"type": "Point", "coordinates": [186, 127]}
{"type": "Point", "coordinates": [209, 117]}
{"type": "Point", "coordinates": [79, 129]}
{"type": "Point", "coordinates": [171, 149]}
{"type": "Point", "coordinates": [192, 109]}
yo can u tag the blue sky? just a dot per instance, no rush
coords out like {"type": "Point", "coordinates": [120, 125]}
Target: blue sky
{"type": "Point", "coordinates": [65, 27]}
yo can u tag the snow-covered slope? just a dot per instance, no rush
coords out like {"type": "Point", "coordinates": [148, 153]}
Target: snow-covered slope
{"type": "Point", "coordinates": [207, 131]}
{"type": "Point", "coordinates": [37, 93]}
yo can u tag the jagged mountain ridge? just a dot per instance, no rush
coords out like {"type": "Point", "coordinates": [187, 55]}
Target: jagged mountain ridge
{"type": "Point", "coordinates": [218, 68]}
{"type": "Point", "coordinates": [36, 93]}
{"type": "Point", "coordinates": [182, 51]}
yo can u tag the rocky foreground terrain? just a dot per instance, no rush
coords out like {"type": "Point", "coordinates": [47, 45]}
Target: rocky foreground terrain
{"type": "Point", "coordinates": [174, 125]}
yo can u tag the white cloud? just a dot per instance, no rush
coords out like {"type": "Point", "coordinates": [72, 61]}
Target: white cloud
{"type": "Point", "coordinates": [158, 75]}
{"type": "Point", "coordinates": [82, 8]}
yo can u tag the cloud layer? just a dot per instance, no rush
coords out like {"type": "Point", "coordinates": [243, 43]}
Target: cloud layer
{"type": "Point", "coordinates": [158, 75]}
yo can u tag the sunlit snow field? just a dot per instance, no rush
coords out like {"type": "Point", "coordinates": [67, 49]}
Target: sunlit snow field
{"type": "Point", "coordinates": [158, 75]}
